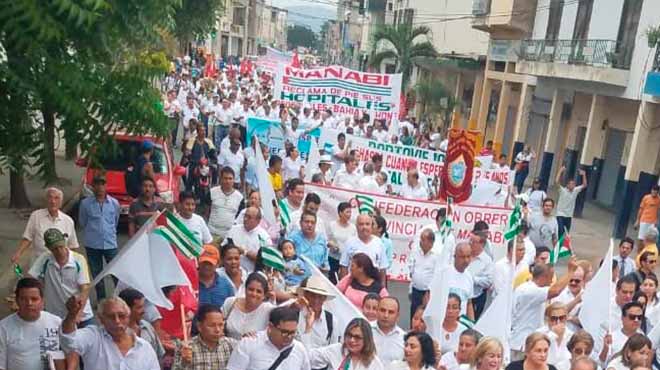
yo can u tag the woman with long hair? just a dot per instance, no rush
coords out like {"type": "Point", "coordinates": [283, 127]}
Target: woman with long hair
{"type": "Point", "coordinates": [536, 196]}
{"type": "Point", "coordinates": [357, 352]}
{"type": "Point", "coordinates": [248, 314]}
{"type": "Point", "coordinates": [537, 346]}
{"type": "Point", "coordinates": [339, 232]}
{"type": "Point", "coordinates": [636, 352]}
{"type": "Point", "coordinates": [379, 229]}
{"type": "Point", "coordinates": [487, 355]}
{"type": "Point", "coordinates": [467, 343]}
{"type": "Point", "coordinates": [419, 353]}
{"type": "Point", "coordinates": [230, 255]}
{"type": "Point", "coordinates": [292, 163]}
{"type": "Point", "coordinates": [452, 327]}
{"type": "Point", "coordinates": [364, 278]}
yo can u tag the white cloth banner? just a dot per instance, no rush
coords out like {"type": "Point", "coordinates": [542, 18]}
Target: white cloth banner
{"type": "Point", "coordinates": [406, 217]}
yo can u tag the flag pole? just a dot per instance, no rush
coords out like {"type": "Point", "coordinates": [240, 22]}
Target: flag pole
{"type": "Point", "coordinates": [183, 322]}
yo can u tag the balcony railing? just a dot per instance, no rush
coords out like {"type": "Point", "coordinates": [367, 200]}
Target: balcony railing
{"type": "Point", "coordinates": [595, 53]}
{"type": "Point", "coordinates": [480, 7]}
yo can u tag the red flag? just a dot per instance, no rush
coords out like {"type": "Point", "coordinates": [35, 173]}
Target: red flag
{"type": "Point", "coordinates": [295, 61]}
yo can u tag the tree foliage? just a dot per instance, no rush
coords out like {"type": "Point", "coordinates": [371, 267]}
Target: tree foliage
{"type": "Point", "coordinates": [403, 43]}
{"type": "Point", "coordinates": [297, 35]}
{"type": "Point", "coordinates": [196, 18]}
{"type": "Point", "coordinates": [435, 100]}
{"type": "Point", "coordinates": [92, 64]}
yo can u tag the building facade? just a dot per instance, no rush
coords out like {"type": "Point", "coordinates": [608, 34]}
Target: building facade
{"type": "Point", "coordinates": [574, 80]}
{"type": "Point", "coordinates": [268, 27]}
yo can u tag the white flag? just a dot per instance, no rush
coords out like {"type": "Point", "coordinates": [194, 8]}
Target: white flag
{"type": "Point", "coordinates": [434, 313]}
{"type": "Point", "coordinates": [265, 187]}
{"type": "Point", "coordinates": [147, 263]}
{"type": "Point", "coordinates": [596, 301]}
{"type": "Point", "coordinates": [340, 307]}
{"type": "Point", "coordinates": [313, 161]}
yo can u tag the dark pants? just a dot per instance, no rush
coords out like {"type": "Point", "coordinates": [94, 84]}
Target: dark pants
{"type": "Point", "coordinates": [479, 303]}
{"type": "Point", "coordinates": [334, 270]}
{"type": "Point", "coordinates": [95, 259]}
{"type": "Point", "coordinates": [416, 300]}
{"type": "Point", "coordinates": [519, 179]}
{"type": "Point", "coordinates": [564, 223]}
{"type": "Point", "coordinates": [175, 130]}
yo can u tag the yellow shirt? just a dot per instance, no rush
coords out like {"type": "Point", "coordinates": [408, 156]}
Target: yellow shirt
{"type": "Point", "coordinates": [276, 181]}
{"type": "Point", "coordinates": [649, 248]}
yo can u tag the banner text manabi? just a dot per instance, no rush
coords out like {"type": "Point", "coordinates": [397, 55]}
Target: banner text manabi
{"type": "Point", "coordinates": [342, 90]}
{"type": "Point", "coordinates": [406, 217]}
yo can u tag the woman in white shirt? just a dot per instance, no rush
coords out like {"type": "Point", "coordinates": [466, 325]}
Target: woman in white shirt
{"type": "Point", "coordinates": [419, 353]}
{"type": "Point", "coordinates": [291, 164]}
{"type": "Point", "coordinates": [580, 344]}
{"type": "Point", "coordinates": [357, 352]}
{"type": "Point", "coordinates": [636, 352]}
{"type": "Point", "coordinates": [339, 232]}
{"type": "Point", "coordinates": [231, 268]}
{"type": "Point", "coordinates": [555, 328]}
{"type": "Point", "coordinates": [536, 196]}
{"type": "Point", "coordinates": [451, 326]}
{"type": "Point", "coordinates": [488, 355]}
{"type": "Point", "coordinates": [249, 314]}
{"type": "Point", "coordinates": [467, 343]}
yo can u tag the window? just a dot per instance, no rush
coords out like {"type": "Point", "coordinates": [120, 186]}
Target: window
{"type": "Point", "coordinates": [118, 157]}
{"type": "Point", "coordinates": [408, 15]}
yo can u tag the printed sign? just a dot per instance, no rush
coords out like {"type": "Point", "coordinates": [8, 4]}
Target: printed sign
{"type": "Point", "coordinates": [270, 132]}
{"type": "Point", "coordinates": [406, 217]}
{"type": "Point", "coordinates": [342, 90]}
{"type": "Point", "coordinates": [271, 61]}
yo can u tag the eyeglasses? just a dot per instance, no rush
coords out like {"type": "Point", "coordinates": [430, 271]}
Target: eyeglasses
{"type": "Point", "coordinates": [357, 338]}
{"type": "Point", "coordinates": [652, 261]}
{"type": "Point", "coordinates": [286, 333]}
{"type": "Point", "coordinates": [634, 317]}
{"type": "Point", "coordinates": [557, 318]}
{"type": "Point", "coordinates": [575, 281]}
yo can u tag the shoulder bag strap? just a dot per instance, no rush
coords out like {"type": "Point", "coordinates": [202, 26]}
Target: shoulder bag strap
{"type": "Point", "coordinates": [283, 355]}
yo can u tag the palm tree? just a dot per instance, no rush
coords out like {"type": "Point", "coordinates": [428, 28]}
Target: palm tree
{"type": "Point", "coordinates": [435, 100]}
{"type": "Point", "coordinates": [403, 43]}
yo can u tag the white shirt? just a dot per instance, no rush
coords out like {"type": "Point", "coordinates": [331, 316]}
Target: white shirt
{"type": "Point", "coordinates": [339, 235]}
{"type": "Point", "coordinates": [250, 241]}
{"type": "Point", "coordinates": [259, 353]}
{"type": "Point", "coordinates": [445, 248]}
{"type": "Point", "coordinates": [223, 209]}
{"type": "Point", "coordinates": [619, 339]}
{"type": "Point", "coordinates": [23, 344]}
{"type": "Point", "coordinates": [417, 192]}
{"type": "Point", "coordinates": [40, 221]}
{"type": "Point", "coordinates": [223, 116]}
{"type": "Point", "coordinates": [188, 114]}
{"type": "Point", "coordinates": [99, 352]}
{"type": "Point", "coordinates": [332, 357]}
{"type": "Point", "coordinates": [238, 322]}
{"type": "Point", "coordinates": [381, 135]}
{"type": "Point", "coordinates": [233, 160]}
{"type": "Point", "coordinates": [461, 284]}
{"type": "Point", "coordinates": [629, 265]}
{"type": "Point", "coordinates": [558, 352]}
{"type": "Point", "coordinates": [291, 168]}
{"type": "Point", "coordinates": [62, 282]}
{"type": "Point", "coordinates": [502, 271]}
{"type": "Point", "coordinates": [528, 305]}
{"type": "Point", "coordinates": [448, 360]}
{"type": "Point", "coordinates": [389, 347]}
{"type": "Point", "coordinates": [368, 184]}
{"type": "Point", "coordinates": [536, 198]}
{"type": "Point", "coordinates": [482, 270]}
{"type": "Point", "coordinates": [374, 249]}
{"type": "Point", "coordinates": [566, 201]}
{"type": "Point", "coordinates": [422, 267]}
{"type": "Point", "coordinates": [318, 337]}
{"type": "Point", "coordinates": [346, 180]}
{"type": "Point", "coordinates": [449, 342]}
{"type": "Point", "coordinates": [197, 226]}
{"type": "Point", "coordinates": [566, 297]}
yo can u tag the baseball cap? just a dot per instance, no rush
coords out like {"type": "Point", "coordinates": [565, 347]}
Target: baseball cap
{"type": "Point", "coordinates": [210, 254]}
{"type": "Point", "coordinates": [147, 144]}
{"type": "Point", "coordinates": [54, 238]}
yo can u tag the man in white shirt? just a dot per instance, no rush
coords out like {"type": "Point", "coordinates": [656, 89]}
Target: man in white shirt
{"type": "Point", "coordinates": [223, 116]}
{"type": "Point", "coordinates": [388, 336]}
{"type": "Point", "coordinates": [250, 237]}
{"type": "Point", "coordinates": [295, 192]}
{"type": "Point", "coordinates": [413, 188]}
{"type": "Point", "coordinates": [571, 296]}
{"type": "Point", "coordinates": [368, 183]}
{"type": "Point", "coordinates": [632, 314]}
{"type": "Point", "coordinates": [529, 300]}
{"type": "Point", "coordinates": [380, 133]}
{"type": "Point", "coordinates": [567, 196]}
{"type": "Point", "coordinates": [422, 263]}
{"type": "Point", "coordinates": [445, 241]}
{"type": "Point", "coordinates": [234, 159]}
{"type": "Point", "coordinates": [365, 243]}
{"type": "Point", "coordinates": [189, 112]}
{"type": "Point", "coordinates": [28, 335]}
{"type": "Point", "coordinates": [64, 274]}
{"type": "Point", "coordinates": [482, 270]}
{"type": "Point", "coordinates": [42, 220]}
{"type": "Point", "coordinates": [225, 201]}
{"type": "Point", "coordinates": [193, 221]}
{"type": "Point", "coordinates": [324, 330]}
{"type": "Point", "coordinates": [108, 346]}
{"type": "Point", "coordinates": [625, 291]}
{"type": "Point", "coordinates": [503, 266]}
{"type": "Point", "coordinates": [348, 178]}
{"type": "Point", "coordinates": [275, 344]}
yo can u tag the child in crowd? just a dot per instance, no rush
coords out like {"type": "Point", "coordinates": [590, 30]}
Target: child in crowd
{"type": "Point", "coordinates": [296, 270]}
{"type": "Point", "coordinates": [370, 307]}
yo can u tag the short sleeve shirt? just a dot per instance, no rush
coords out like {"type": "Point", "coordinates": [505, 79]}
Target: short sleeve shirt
{"type": "Point", "coordinates": [566, 202]}
{"type": "Point", "coordinates": [140, 212]}
{"type": "Point", "coordinates": [528, 305]}
{"type": "Point", "coordinates": [23, 344]}
{"type": "Point", "coordinates": [223, 209]}
{"type": "Point", "coordinates": [197, 225]}
{"type": "Point", "coordinates": [542, 230]}
{"type": "Point", "coordinates": [374, 249]}
{"type": "Point", "coordinates": [40, 221]}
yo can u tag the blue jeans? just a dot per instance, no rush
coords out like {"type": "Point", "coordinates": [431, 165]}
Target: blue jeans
{"type": "Point", "coordinates": [219, 133]}
{"type": "Point", "coordinates": [95, 259]}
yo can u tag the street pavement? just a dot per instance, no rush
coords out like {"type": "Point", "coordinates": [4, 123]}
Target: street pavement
{"type": "Point", "coordinates": [590, 235]}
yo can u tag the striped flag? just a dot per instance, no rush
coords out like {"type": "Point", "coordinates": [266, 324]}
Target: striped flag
{"type": "Point", "coordinates": [446, 226]}
{"type": "Point", "coordinates": [173, 230]}
{"type": "Point", "coordinates": [515, 220]}
{"type": "Point", "coordinates": [271, 257]}
{"type": "Point", "coordinates": [365, 204]}
{"type": "Point", "coordinates": [562, 249]}
{"type": "Point", "coordinates": [285, 214]}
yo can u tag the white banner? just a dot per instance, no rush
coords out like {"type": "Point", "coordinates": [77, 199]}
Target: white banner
{"type": "Point", "coordinates": [406, 217]}
{"type": "Point", "coordinates": [342, 90]}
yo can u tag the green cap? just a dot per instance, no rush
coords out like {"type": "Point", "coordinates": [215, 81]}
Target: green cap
{"type": "Point", "coordinates": [54, 238]}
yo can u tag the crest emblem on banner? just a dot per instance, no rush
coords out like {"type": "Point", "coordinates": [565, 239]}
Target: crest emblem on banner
{"type": "Point", "coordinates": [456, 175]}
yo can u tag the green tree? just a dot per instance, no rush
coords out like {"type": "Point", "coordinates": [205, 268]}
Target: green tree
{"type": "Point", "coordinates": [300, 36]}
{"type": "Point", "coordinates": [435, 100]}
{"type": "Point", "coordinates": [196, 18]}
{"type": "Point", "coordinates": [92, 64]}
{"type": "Point", "coordinates": [402, 43]}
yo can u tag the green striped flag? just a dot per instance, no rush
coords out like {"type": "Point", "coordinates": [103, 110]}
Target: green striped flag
{"type": "Point", "coordinates": [365, 204]}
{"type": "Point", "coordinates": [463, 319]}
{"type": "Point", "coordinates": [515, 220]}
{"type": "Point", "coordinates": [285, 214]}
{"type": "Point", "coordinates": [271, 257]}
{"type": "Point", "coordinates": [562, 249]}
{"type": "Point", "coordinates": [173, 230]}
{"type": "Point", "coordinates": [446, 226]}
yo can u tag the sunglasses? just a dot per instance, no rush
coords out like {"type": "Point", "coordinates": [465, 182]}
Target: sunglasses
{"type": "Point", "coordinates": [575, 281]}
{"type": "Point", "coordinates": [652, 261]}
{"type": "Point", "coordinates": [286, 333]}
{"type": "Point", "coordinates": [557, 318]}
{"type": "Point", "coordinates": [634, 317]}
